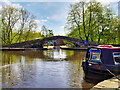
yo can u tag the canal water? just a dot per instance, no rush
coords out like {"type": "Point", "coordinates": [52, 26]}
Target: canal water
{"type": "Point", "coordinates": [43, 69]}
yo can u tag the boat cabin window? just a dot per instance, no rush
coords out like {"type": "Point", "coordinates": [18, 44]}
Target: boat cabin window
{"type": "Point", "coordinates": [94, 56]}
{"type": "Point", "coordinates": [116, 57]}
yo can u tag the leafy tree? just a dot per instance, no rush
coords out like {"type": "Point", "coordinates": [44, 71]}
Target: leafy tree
{"type": "Point", "coordinates": [16, 24]}
{"type": "Point", "coordinates": [46, 32]}
{"type": "Point", "coordinates": [50, 33]}
{"type": "Point", "coordinates": [9, 17]}
{"type": "Point", "coordinates": [92, 21]}
{"type": "Point", "coordinates": [74, 18]}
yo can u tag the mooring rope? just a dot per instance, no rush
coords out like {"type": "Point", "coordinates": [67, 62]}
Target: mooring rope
{"type": "Point", "coordinates": [111, 72]}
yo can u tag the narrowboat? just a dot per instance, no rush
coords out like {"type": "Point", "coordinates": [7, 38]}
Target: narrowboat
{"type": "Point", "coordinates": [101, 62]}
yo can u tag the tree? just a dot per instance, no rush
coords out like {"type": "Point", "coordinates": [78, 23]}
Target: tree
{"type": "Point", "coordinates": [27, 24]}
{"type": "Point", "coordinates": [9, 17]}
{"type": "Point", "coordinates": [74, 18]}
{"type": "Point", "coordinates": [50, 33]}
{"type": "Point", "coordinates": [14, 23]}
{"type": "Point", "coordinates": [92, 21]}
{"type": "Point", "coordinates": [46, 32]}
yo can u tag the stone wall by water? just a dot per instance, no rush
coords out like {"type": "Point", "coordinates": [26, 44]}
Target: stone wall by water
{"type": "Point", "coordinates": [109, 83]}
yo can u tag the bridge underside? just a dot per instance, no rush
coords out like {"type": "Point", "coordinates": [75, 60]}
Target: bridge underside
{"type": "Point", "coordinates": [75, 41]}
{"type": "Point", "coordinates": [77, 44]}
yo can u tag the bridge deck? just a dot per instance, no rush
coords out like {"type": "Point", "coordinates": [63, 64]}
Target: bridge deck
{"type": "Point", "coordinates": [38, 43]}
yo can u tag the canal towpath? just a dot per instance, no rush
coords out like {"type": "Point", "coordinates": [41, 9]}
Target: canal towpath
{"type": "Point", "coordinates": [109, 83]}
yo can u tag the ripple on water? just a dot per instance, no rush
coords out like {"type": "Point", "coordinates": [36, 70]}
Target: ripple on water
{"type": "Point", "coordinates": [43, 69]}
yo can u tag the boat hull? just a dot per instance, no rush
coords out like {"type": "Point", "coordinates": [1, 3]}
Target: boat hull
{"type": "Point", "coordinates": [96, 72]}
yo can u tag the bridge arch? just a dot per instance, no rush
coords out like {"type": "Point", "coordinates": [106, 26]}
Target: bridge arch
{"type": "Point", "coordinates": [75, 41]}
{"type": "Point", "coordinates": [38, 43]}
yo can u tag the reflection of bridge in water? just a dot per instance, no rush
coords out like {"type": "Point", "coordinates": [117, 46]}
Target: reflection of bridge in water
{"type": "Point", "coordinates": [38, 43]}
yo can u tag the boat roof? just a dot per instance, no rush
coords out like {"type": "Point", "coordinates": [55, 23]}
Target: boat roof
{"type": "Point", "coordinates": [104, 47]}
{"type": "Point", "coordinates": [106, 53]}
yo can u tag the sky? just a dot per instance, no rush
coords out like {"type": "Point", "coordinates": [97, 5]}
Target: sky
{"type": "Point", "coordinates": [51, 13]}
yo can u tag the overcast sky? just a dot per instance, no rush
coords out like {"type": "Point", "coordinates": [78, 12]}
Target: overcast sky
{"type": "Point", "coordinates": [52, 13]}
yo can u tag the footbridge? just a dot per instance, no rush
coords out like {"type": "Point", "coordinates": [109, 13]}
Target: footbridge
{"type": "Point", "coordinates": [38, 43]}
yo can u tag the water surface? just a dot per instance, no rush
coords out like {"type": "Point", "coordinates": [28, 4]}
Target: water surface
{"type": "Point", "coordinates": [43, 69]}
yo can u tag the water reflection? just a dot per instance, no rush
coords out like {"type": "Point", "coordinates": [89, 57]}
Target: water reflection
{"type": "Point", "coordinates": [43, 69]}
{"type": "Point", "coordinates": [55, 54]}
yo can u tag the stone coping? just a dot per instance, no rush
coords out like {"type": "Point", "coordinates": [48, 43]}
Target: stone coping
{"type": "Point", "coordinates": [109, 83]}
